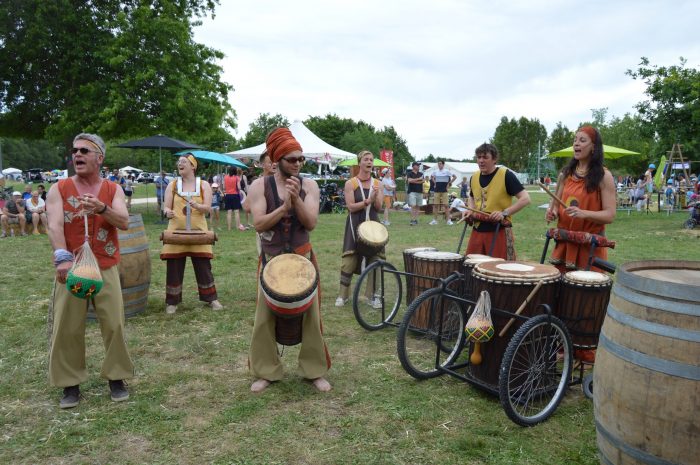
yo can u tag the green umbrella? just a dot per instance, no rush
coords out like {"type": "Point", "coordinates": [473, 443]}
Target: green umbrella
{"type": "Point", "coordinates": [610, 152]}
{"type": "Point", "coordinates": [353, 162]}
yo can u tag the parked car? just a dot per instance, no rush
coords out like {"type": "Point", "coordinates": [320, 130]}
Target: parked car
{"type": "Point", "coordinates": [33, 174]}
{"type": "Point", "coordinates": [144, 178]}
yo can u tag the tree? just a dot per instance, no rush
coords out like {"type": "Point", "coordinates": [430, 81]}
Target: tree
{"type": "Point", "coordinates": [673, 107]}
{"type": "Point", "coordinates": [629, 132]}
{"type": "Point", "coordinates": [517, 140]}
{"type": "Point", "coordinates": [331, 128]}
{"type": "Point", "coordinates": [260, 128]}
{"type": "Point", "coordinates": [119, 68]}
{"type": "Point", "coordinates": [561, 137]}
{"type": "Point", "coordinates": [361, 138]}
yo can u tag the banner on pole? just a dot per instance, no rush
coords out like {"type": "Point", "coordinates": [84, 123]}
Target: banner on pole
{"type": "Point", "coordinates": [388, 156]}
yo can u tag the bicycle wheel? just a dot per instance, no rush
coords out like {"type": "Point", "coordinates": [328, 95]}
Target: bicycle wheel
{"type": "Point", "coordinates": [424, 340]}
{"type": "Point", "coordinates": [535, 370]}
{"type": "Point", "coordinates": [377, 295]}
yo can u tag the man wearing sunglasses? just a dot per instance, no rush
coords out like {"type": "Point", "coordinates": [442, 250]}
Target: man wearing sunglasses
{"type": "Point", "coordinates": [284, 211]}
{"type": "Point", "coordinates": [67, 204]}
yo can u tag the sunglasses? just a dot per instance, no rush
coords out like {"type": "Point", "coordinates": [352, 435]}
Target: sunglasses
{"type": "Point", "coordinates": [82, 150]}
{"type": "Point", "coordinates": [294, 159]}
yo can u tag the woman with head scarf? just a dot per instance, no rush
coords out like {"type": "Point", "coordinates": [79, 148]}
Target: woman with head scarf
{"type": "Point", "coordinates": [195, 193]}
{"type": "Point", "coordinates": [588, 190]}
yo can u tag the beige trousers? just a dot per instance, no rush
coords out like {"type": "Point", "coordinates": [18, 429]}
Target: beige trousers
{"type": "Point", "coordinates": [67, 353]}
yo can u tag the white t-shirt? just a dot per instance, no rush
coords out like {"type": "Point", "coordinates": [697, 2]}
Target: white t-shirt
{"type": "Point", "coordinates": [459, 205]}
{"type": "Point", "coordinates": [442, 178]}
{"type": "Point", "coordinates": [31, 207]}
{"type": "Point", "coordinates": [388, 185]}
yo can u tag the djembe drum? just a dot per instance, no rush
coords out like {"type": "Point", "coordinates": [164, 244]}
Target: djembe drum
{"type": "Point", "coordinates": [583, 301]}
{"type": "Point", "coordinates": [470, 261]}
{"type": "Point", "coordinates": [372, 236]}
{"type": "Point", "coordinates": [408, 267]}
{"type": "Point", "coordinates": [429, 266]}
{"type": "Point", "coordinates": [508, 284]}
{"type": "Point", "coordinates": [289, 284]}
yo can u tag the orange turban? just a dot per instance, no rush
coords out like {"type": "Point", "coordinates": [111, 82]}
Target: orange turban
{"type": "Point", "coordinates": [590, 132]}
{"type": "Point", "coordinates": [280, 142]}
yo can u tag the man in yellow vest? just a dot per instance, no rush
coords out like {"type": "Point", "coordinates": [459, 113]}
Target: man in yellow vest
{"type": "Point", "coordinates": [492, 192]}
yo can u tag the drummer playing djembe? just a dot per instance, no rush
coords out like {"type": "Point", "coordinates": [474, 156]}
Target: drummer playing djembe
{"type": "Point", "coordinates": [285, 210]}
{"type": "Point", "coordinates": [491, 191]}
{"type": "Point", "coordinates": [363, 199]}
{"type": "Point", "coordinates": [187, 200]}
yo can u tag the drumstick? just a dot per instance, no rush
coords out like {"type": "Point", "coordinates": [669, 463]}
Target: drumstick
{"type": "Point", "coordinates": [521, 308]}
{"type": "Point", "coordinates": [552, 195]}
{"type": "Point", "coordinates": [472, 210]}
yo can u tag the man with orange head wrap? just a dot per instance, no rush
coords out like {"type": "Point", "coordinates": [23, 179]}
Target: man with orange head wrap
{"type": "Point", "coordinates": [284, 211]}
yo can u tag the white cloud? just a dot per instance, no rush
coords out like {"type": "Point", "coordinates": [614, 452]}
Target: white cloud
{"type": "Point", "coordinates": [444, 72]}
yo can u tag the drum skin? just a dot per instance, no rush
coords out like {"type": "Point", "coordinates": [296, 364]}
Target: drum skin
{"type": "Point", "coordinates": [134, 268]}
{"type": "Point", "coordinates": [508, 284]}
{"type": "Point", "coordinates": [646, 394]}
{"type": "Point", "coordinates": [290, 284]}
{"type": "Point", "coordinates": [372, 236]}
{"type": "Point", "coordinates": [582, 302]}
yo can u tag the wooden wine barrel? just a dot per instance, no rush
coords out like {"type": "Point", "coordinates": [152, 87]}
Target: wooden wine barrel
{"type": "Point", "coordinates": [134, 268]}
{"type": "Point", "coordinates": [646, 381]}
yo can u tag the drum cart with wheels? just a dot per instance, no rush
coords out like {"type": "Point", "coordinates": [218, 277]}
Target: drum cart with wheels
{"type": "Point", "coordinates": [535, 368]}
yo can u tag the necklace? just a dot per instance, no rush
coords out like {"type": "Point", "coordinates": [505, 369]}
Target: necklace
{"type": "Point", "coordinates": [364, 180]}
{"type": "Point", "coordinates": [581, 172]}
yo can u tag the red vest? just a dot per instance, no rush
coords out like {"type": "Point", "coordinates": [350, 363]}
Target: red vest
{"type": "Point", "coordinates": [102, 235]}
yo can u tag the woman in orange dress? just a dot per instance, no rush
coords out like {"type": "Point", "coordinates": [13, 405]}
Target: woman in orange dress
{"type": "Point", "coordinates": [588, 190]}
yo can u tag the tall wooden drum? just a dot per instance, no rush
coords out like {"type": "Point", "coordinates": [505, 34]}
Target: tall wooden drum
{"type": "Point", "coordinates": [583, 300]}
{"type": "Point", "coordinates": [470, 261]}
{"type": "Point", "coordinates": [428, 266]}
{"type": "Point", "coordinates": [134, 268]}
{"type": "Point", "coordinates": [508, 284]}
{"type": "Point", "coordinates": [408, 267]}
{"type": "Point", "coordinates": [646, 381]}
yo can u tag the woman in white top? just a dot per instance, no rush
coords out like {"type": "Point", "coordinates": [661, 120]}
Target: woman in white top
{"type": "Point", "coordinates": [36, 206]}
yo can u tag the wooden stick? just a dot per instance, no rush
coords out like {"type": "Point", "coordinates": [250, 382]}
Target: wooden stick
{"type": "Point", "coordinates": [521, 308]}
{"type": "Point", "coordinates": [471, 210]}
{"type": "Point", "coordinates": [552, 195]}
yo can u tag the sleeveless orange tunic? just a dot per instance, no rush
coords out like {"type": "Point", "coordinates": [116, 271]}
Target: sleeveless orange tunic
{"type": "Point", "coordinates": [575, 256]}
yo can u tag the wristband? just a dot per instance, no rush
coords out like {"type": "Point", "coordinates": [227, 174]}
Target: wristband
{"type": "Point", "coordinates": [505, 212]}
{"type": "Point", "coordinates": [61, 256]}
{"type": "Point", "coordinates": [104, 209]}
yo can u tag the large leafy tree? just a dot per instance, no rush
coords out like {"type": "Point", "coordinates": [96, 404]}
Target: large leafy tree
{"type": "Point", "coordinates": [517, 140]}
{"type": "Point", "coordinates": [123, 69]}
{"type": "Point", "coordinates": [673, 106]}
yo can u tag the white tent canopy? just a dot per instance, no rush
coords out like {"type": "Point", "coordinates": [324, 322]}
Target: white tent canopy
{"type": "Point", "coordinates": [459, 169]}
{"type": "Point", "coordinates": [11, 171]}
{"type": "Point", "coordinates": [314, 147]}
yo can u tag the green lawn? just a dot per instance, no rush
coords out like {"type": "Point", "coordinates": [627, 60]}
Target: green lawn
{"type": "Point", "coordinates": [190, 400]}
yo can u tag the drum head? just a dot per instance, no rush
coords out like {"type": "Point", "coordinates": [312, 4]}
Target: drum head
{"type": "Point", "coordinates": [475, 259]}
{"type": "Point", "coordinates": [592, 278]}
{"type": "Point", "coordinates": [437, 256]}
{"type": "Point", "coordinates": [415, 250]}
{"type": "Point", "coordinates": [289, 275]}
{"type": "Point", "coordinates": [373, 232]}
{"type": "Point", "coordinates": [528, 271]}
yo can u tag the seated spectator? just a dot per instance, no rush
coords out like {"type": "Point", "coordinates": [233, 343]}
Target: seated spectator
{"type": "Point", "coordinates": [457, 206]}
{"type": "Point", "coordinates": [36, 209]}
{"type": "Point", "coordinates": [13, 213]}
{"type": "Point", "coordinates": [42, 191]}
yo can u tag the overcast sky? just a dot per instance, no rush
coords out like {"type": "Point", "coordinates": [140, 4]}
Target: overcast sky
{"type": "Point", "coordinates": [444, 72]}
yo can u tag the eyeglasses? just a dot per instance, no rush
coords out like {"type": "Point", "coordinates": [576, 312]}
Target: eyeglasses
{"type": "Point", "coordinates": [82, 150]}
{"type": "Point", "coordinates": [294, 159]}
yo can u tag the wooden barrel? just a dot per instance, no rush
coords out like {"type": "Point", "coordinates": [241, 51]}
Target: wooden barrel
{"type": "Point", "coordinates": [646, 381]}
{"type": "Point", "coordinates": [134, 268]}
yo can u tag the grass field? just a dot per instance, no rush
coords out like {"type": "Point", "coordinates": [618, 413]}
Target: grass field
{"type": "Point", "coordinates": [190, 400]}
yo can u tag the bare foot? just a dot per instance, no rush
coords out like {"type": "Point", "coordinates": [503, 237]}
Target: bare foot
{"type": "Point", "coordinates": [321, 384]}
{"type": "Point", "coordinates": [259, 385]}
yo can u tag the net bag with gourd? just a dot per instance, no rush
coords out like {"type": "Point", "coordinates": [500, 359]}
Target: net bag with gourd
{"type": "Point", "coordinates": [479, 327]}
{"type": "Point", "coordinates": [84, 278]}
